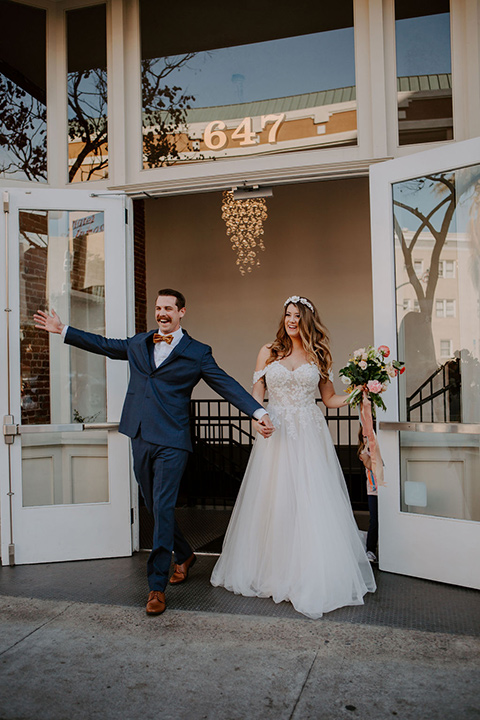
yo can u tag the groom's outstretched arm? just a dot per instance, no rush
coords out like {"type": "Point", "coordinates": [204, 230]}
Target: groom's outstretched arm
{"type": "Point", "coordinates": [112, 348]}
{"type": "Point", "coordinates": [232, 391]}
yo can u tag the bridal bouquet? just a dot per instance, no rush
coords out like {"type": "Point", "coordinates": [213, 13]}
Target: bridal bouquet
{"type": "Point", "coordinates": [367, 376]}
{"type": "Point", "coordinates": [368, 373]}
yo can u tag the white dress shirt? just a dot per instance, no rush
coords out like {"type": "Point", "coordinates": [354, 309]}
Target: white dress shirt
{"type": "Point", "coordinates": [162, 350]}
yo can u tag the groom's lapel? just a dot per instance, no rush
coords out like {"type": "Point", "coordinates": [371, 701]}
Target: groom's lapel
{"type": "Point", "coordinates": [147, 348]}
{"type": "Point", "coordinates": [177, 350]}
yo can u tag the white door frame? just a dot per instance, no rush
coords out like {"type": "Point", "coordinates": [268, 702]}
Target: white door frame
{"type": "Point", "coordinates": [82, 531]}
{"type": "Point", "coordinates": [436, 548]}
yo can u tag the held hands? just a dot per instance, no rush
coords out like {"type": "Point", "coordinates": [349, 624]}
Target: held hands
{"type": "Point", "coordinates": [51, 323]}
{"type": "Point", "coordinates": [264, 426]}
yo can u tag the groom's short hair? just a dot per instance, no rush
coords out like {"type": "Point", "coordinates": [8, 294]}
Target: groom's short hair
{"type": "Point", "coordinates": [179, 298]}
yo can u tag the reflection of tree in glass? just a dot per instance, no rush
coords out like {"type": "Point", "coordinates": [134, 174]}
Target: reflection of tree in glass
{"type": "Point", "coordinates": [23, 132]}
{"type": "Point", "coordinates": [78, 418]}
{"type": "Point", "coordinates": [87, 102]}
{"type": "Point", "coordinates": [164, 112]}
{"type": "Point", "coordinates": [443, 185]}
{"type": "Point", "coordinates": [443, 189]}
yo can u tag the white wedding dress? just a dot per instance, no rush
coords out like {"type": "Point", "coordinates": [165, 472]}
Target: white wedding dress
{"type": "Point", "coordinates": [292, 535]}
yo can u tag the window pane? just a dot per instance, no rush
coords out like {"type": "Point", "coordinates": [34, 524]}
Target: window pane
{"type": "Point", "coordinates": [87, 94]}
{"type": "Point", "coordinates": [449, 268]}
{"type": "Point", "coordinates": [23, 93]}
{"type": "Point", "coordinates": [445, 348]}
{"type": "Point", "coordinates": [424, 79]}
{"type": "Point", "coordinates": [62, 267]}
{"type": "Point", "coordinates": [269, 82]}
{"type": "Point", "coordinates": [438, 218]}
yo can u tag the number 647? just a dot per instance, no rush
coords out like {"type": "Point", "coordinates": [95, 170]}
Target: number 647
{"type": "Point", "coordinates": [215, 137]}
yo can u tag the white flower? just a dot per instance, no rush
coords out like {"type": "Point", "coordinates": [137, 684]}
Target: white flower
{"type": "Point", "coordinates": [390, 370]}
{"type": "Point", "coordinates": [345, 380]}
{"type": "Point", "coordinates": [362, 364]}
{"type": "Point", "coordinates": [358, 353]}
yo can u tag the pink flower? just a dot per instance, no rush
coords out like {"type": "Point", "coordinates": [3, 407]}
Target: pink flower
{"type": "Point", "coordinates": [362, 364]}
{"type": "Point", "coordinates": [374, 386]}
{"type": "Point", "coordinates": [391, 372]}
{"type": "Point", "coordinates": [385, 350]}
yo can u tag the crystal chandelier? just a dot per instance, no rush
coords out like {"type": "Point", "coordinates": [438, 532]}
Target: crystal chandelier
{"type": "Point", "coordinates": [244, 221]}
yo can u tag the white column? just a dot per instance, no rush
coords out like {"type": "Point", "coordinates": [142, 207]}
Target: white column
{"type": "Point", "coordinates": [57, 125]}
{"type": "Point", "coordinates": [117, 139]}
{"type": "Point", "coordinates": [465, 32]}
{"type": "Point", "coordinates": [370, 78]}
{"type": "Point", "coordinates": [391, 103]}
{"type": "Point", "coordinates": [133, 92]}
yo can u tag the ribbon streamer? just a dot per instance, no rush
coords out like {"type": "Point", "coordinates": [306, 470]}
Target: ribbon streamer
{"type": "Point", "coordinates": [367, 423]}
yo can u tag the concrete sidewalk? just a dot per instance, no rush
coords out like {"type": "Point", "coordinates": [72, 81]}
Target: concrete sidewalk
{"type": "Point", "coordinates": [64, 659]}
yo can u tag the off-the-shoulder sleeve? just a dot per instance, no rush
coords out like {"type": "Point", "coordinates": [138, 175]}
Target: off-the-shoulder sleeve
{"type": "Point", "coordinates": [330, 376]}
{"type": "Point", "coordinates": [258, 374]}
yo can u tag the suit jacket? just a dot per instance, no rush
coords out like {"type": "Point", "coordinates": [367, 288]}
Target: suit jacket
{"type": "Point", "coordinates": [158, 399]}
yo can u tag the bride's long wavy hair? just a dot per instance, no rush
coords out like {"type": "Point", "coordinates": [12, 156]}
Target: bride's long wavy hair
{"type": "Point", "coordinates": [313, 333]}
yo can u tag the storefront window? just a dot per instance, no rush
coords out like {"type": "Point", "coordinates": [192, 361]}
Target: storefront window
{"type": "Point", "coordinates": [23, 93]}
{"type": "Point", "coordinates": [87, 94]}
{"type": "Point", "coordinates": [424, 71]}
{"type": "Point", "coordinates": [275, 79]}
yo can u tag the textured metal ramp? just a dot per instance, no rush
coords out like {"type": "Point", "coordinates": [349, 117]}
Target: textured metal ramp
{"type": "Point", "coordinates": [400, 601]}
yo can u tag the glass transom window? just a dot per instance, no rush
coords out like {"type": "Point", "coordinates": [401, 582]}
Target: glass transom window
{"type": "Point", "coordinates": [275, 79]}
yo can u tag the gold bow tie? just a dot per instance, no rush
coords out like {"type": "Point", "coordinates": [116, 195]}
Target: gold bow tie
{"type": "Point", "coordinates": [162, 338]}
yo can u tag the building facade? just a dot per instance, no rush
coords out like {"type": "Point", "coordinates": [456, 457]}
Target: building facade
{"type": "Point", "coordinates": [335, 151]}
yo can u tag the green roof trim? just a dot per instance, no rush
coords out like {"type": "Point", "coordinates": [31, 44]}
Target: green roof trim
{"type": "Point", "coordinates": [424, 83]}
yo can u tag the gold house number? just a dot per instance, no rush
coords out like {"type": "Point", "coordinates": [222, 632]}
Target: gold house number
{"type": "Point", "coordinates": [216, 139]}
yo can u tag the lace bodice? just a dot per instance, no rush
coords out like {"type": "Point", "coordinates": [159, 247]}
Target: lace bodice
{"type": "Point", "coordinates": [292, 394]}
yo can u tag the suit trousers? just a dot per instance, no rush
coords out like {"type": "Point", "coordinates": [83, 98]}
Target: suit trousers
{"type": "Point", "coordinates": [158, 471]}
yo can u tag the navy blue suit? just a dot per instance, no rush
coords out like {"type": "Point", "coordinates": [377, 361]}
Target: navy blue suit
{"type": "Point", "coordinates": [156, 416]}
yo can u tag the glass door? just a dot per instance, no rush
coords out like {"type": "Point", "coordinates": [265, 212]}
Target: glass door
{"type": "Point", "coordinates": [65, 491]}
{"type": "Point", "coordinates": [426, 269]}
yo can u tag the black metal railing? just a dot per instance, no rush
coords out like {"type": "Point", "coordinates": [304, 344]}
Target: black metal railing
{"type": "Point", "coordinates": [222, 441]}
{"type": "Point", "coordinates": [438, 399]}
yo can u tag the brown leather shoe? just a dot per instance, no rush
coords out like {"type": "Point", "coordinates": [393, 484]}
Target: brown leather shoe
{"type": "Point", "coordinates": [180, 572]}
{"type": "Point", "coordinates": [156, 603]}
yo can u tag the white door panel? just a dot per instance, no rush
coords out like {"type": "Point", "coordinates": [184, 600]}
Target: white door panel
{"type": "Point", "coordinates": [425, 211]}
{"type": "Point", "coordinates": [65, 485]}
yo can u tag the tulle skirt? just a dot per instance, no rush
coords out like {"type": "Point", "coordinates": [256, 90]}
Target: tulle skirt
{"type": "Point", "coordinates": [292, 535]}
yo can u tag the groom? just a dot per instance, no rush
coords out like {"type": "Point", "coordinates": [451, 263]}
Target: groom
{"type": "Point", "coordinates": [165, 366]}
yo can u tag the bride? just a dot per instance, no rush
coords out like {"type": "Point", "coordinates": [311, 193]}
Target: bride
{"type": "Point", "coordinates": [292, 535]}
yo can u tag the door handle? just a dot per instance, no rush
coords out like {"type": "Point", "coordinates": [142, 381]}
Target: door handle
{"type": "Point", "coordinates": [12, 429]}
{"type": "Point", "coordinates": [67, 427]}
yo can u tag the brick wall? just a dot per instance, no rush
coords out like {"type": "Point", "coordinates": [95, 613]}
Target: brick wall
{"type": "Point", "coordinates": [139, 263]}
{"type": "Point", "coordinates": [34, 344]}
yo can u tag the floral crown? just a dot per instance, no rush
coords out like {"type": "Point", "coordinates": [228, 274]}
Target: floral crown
{"type": "Point", "coordinates": [295, 299]}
